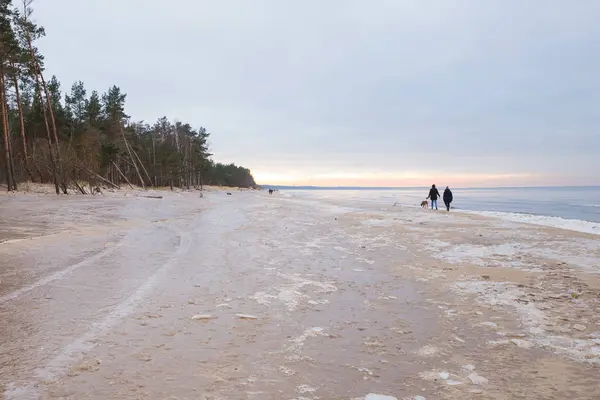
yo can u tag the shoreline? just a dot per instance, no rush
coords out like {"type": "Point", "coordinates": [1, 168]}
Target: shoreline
{"type": "Point", "coordinates": [575, 225]}
{"type": "Point", "coordinates": [570, 224]}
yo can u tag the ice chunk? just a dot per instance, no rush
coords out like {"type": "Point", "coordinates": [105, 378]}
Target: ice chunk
{"type": "Point", "coordinates": [490, 324]}
{"type": "Point", "coordinates": [202, 317]}
{"type": "Point", "coordinates": [429, 375]}
{"type": "Point", "coordinates": [426, 351]}
{"type": "Point", "coordinates": [372, 396]}
{"type": "Point", "coordinates": [458, 339]}
{"type": "Point", "coordinates": [468, 367]}
{"type": "Point", "coordinates": [305, 389]}
{"type": "Point", "coordinates": [444, 375]}
{"type": "Point", "coordinates": [477, 379]}
{"type": "Point", "coordinates": [246, 316]}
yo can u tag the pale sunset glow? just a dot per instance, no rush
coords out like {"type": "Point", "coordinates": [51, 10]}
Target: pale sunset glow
{"type": "Point", "coordinates": [402, 180]}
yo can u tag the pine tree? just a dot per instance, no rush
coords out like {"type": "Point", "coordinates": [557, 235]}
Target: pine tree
{"type": "Point", "coordinates": [73, 138]}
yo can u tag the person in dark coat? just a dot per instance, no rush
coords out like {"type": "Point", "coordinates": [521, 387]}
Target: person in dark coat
{"type": "Point", "coordinates": [447, 198]}
{"type": "Point", "coordinates": [433, 195]}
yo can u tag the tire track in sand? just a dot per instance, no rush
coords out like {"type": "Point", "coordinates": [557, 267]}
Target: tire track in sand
{"type": "Point", "coordinates": [59, 274]}
{"type": "Point", "coordinates": [60, 364]}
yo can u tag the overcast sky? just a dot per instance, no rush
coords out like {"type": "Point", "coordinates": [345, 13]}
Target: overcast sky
{"type": "Point", "coordinates": [378, 92]}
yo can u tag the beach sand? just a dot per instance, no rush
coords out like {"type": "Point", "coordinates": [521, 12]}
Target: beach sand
{"type": "Point", "coordinates": [252, 296]}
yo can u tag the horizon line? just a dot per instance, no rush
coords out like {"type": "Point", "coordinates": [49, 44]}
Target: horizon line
{"type": "Point", "coordinates": [421, 187]}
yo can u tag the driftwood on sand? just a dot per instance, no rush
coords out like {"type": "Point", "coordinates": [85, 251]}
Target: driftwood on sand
{"type": "Point", "coordinates": [123, 175]}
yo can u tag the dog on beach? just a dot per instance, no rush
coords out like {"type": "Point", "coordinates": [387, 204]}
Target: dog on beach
{"type": "Point", "coordinates": [424, 204]}
{"type": "Point", "coordinates": [270, 191]}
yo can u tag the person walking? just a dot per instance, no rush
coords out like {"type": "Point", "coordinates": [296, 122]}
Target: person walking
{"type": "Point", "coordinates": [433, 195]}
{"type": "Point", "coordinates": [447, 198]}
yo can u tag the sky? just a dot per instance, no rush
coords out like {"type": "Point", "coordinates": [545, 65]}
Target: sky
{"type": "Point", "coordinates": [354, 92]}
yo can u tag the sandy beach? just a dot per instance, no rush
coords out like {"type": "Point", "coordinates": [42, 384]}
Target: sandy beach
{"type": "Point", "coordinates": [251, 296]}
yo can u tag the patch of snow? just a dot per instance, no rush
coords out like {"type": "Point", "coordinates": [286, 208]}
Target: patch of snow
{"type": "Point", "coordinates": [553, 222]}
{"type": "Point", "coordinates": [477, 379]}
{"type": "Point", "coordinates": [298, 342]}
{"type": "Point", "coordinates": [468, 367]}
{"type": "Point", "coordinates": [365, 370]}
{"type": "Point", "coordinates": [429, 375]}
{"type": "Point", "coordinates": [373, 396]}
{"type": "Point", "coordinates": [365, 260]}
{"type": "Point", "coordinates": [246, 316]}
{"type": "Point", "coordinates": [317, 302]}
{"type": "Point", "coordinates": [427, 351]}
{"type": "Point", "coordinates": [290, 295]}
{"type": "Point", "coordinates": [501, 254]}
{"type": "Point", "coordinates": [508, 295]}
{"type": "Point", "coordinates": [490, 324]}
{"type": "Point", "coordinates": [203, 317]}
{"type": "Point", "coordinates": [305, 389]}
{"type": "Point", "coordinates": [262, 298]}
{"type": "Point", "coordinates": [287, 371]}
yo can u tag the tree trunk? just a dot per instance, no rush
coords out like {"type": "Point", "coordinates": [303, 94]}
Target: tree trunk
{"type": "Point", "coordinates": [21, 118]}
{"type": "Point", "coordinates": [131, 156]}
{"type": "Point", "coordinates": [123, 175]}
{"type": "Point", "coordinates": [144, 168]}
{"type": "Point", "coordinates": [35, 68]}
{"type": "Point", "coordinates": [48, 135]}
{"type": "Point", "coordinates": [49, 106]}
{"type": "Point", "coordinates": [154, 158]}
{"type": "Point", "coordinates": [92, 173]}
{"type": "Point", "coordinates": [5, 113]}
{"type": "Point", "coordinates": [22, 125]}
{"type": "Point", "coordinates": [56, 142]}
{"type": "Point", "coordinates": [42, 180]}
{"type": "Point", "coordinates": [10, 153]}
{"type": "Point", "coordinates": [9, 175]}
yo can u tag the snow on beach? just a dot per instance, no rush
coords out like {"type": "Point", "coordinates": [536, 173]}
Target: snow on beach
{"type": "Point", "coordinates": [552, 222]}
{"type": "Point", "coordinates": [269, 296]}
{"type": "Point", "coordinates": [512, 241]}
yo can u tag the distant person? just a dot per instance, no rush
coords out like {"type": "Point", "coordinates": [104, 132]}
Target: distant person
{"type": "Point", "coordinates": [433, 195]}
{"type": "Point", "coordinates": [447, 198]}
